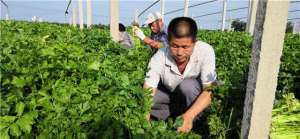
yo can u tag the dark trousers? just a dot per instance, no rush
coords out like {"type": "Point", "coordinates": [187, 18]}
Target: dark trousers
{"type": "Point", "coordinates": [172, 104]}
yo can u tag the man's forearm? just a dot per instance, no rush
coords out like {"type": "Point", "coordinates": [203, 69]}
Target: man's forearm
{"type": "Point", "coordinates": [202, 102]}
{"type": "Point", "coordinates": [152, 89]}
{"type": "Point", "coordinates": [147, 40]}
{"type": "Point", "coordinates": [152, 43]}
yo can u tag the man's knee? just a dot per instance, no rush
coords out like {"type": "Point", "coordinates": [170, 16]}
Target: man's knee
{"type": "Point", "coordinates": [189, 87]}
{"type": "Point", "coordinates": [161, 97]}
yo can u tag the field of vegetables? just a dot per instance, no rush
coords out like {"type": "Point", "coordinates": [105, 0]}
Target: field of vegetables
{"type": "Point", "coordinates": [60, 82]}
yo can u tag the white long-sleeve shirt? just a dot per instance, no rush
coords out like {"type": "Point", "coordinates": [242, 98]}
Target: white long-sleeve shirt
{"type": "Point", "coordinates": [162, 67]}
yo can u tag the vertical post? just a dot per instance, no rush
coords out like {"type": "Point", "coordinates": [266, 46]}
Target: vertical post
{"type": "Point", "coordinates": [186, 8]}
{"type": "Point", "coordinates": [249, 9]}
{"type": "Point", "coordinates": [224, 14]}
{"type": "Point", "coordinates": [296, 27]}
{"type": "Point", "coordinates": [114, 19]}
{"type": "Point", "coordinates": [74, 11]}
{"type": "Point", "coordinates": [263, 71]}
{"type": "Point", "coordinates": [89, 13]}
{"type": "Point", "coordinates": [229, 26]}
{"type": "Point", "coordinates": [136, 18]}
{"type": "Point", "coordinates": [40, 19]}
{"type": "Point", "coordinates": [80, 14]}
{"type": "Point", "coordinates": [70, 20]}
{"type": "Point", "coordinates": [6, 16]}
{"type": "Point", "coordinates": [162, 8]}
{"type": "Point", "coordinates": [251, 16]}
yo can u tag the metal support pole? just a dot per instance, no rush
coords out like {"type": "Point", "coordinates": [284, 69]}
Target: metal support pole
{"type": "Point", "coordinates": [224, 14]}
{"type": "Point", "coordinates": [80, 14]}
{"type": "Point", "coordinates": [89, 13]}
{"type": "Point", "coordinates": [267, 48]}
{"type": "Point", "coordinates": [114, 19]}
{"type": "Point", "coordinates": [6, 16]}
{"type": "Point", "coordinates": [74, 14]}
{"type": "Point", "coordinates": [70, 20]}
{"type": "Point", "coordinates": [251, 16]}
{"type": "Point", "coordinates": [136, 14]}
{"type": "Point", "coordinates": [162, 8]}
{"type": "Point", "coordinates": [186, 8]}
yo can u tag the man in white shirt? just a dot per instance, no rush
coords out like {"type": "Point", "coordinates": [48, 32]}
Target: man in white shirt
{"type": "Point", "coordinates": [158, 36]}
{"type": "Point", "coordinates": [180, 75]}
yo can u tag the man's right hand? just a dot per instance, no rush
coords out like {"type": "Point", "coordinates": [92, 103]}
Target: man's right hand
{"type": "Point", "coordinates": [155, 44]}
{"type": "Point", "coordinates": [148, 117]}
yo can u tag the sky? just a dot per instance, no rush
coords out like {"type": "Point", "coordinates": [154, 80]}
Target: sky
{"type": "Point", "coordinates": [53, 10]}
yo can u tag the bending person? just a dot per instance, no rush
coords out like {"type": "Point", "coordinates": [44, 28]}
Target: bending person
{"type": "Point", "coordinates": [181, 75]}
{"type": "Point", "coordinates": [158, 36]}
{"type": "Point", "coordinates": [124, 38]}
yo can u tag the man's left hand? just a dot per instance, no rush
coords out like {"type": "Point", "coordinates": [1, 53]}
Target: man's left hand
{"type": "Point", "coordinates": [187, 124]}
{"type": "Point", "coordinates": [139, 33]}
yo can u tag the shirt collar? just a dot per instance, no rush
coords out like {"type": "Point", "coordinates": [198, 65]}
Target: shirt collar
{"type": "Point", "coordinates": [162, 31]}
{"type": "Point", "coordinates": [170, 61]}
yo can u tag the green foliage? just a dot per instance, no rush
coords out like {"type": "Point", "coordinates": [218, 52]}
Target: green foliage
{"type": "Point", "coordinates": [238, 25]}
{"type": "Point", "coordinates": [232, 51]}
{"type": "Point", "coordinates": [286, 118]}
{"type": "Point", "coordinates": [60, 82]}
{"type": "Point", "coordinates": [232, 60]}
{"type": "Point", "coordinates": [289, 75]}
{"type": "Point", "coordinates": [289, 27]}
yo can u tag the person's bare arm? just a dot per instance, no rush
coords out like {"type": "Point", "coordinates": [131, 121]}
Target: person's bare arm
{"type": "Point", "coordinates": [152, 43]}
{"type": "Point", "coordinates": [151, 88]}
{"type": "Point", "coordinates": [202, 102]}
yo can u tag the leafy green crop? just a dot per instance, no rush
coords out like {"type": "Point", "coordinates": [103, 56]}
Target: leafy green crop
{"type": "Point", "coordinates": [289, 75]}
{"type": "Point", "coordinates": [60, 82]}
{"type": "Point", "coordinates": [232, 59]}
{"type": "Point", "coordinates": [286, 118]}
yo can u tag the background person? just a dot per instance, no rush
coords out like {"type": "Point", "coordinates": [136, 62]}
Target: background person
{"type": "Point", "coordinates": [124, 38]}
{"type": "Point", "coordinates": [158, 37]}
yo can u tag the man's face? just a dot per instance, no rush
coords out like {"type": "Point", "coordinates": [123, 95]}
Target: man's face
{"type": "Point", "coordinates": [156, 26]}
{"type": "Point", "coordinates": [181, 48]}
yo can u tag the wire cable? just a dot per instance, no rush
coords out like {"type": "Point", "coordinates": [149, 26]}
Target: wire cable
{"type": "Point", "coordinates": [177, 10]}
{"type": "Point", "coordinates": [294, 11]}
{"type": "Point", "coordinates": [293, 18]}
{"type": "Point", "coordinates": [294, 1]}
{"type": "Point", "coordinates": [231, 10]}
{"type": "Point", "coordinates": [240, 18]}
{"type": "Point", "coordinates": [4, 3]}
{"type": "Point", "coordinates": [69, 3]}
{"type": "Point", "coordinates": [148, 8]}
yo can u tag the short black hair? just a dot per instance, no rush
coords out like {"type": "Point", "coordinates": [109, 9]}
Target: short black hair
{"type": "Point", "coordinates": [181, 27]}
{"type": "Point", "coordinates": [122, 28]}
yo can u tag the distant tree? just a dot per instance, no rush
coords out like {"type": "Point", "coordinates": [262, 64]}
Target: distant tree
{"type": "Point", "coordinates": [289, 27]}
{"type": "Point", "coordinates": [238, 25]}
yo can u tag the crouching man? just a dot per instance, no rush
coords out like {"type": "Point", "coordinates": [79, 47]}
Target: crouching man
{"type": "Point", "coordinates": [181, 74]}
